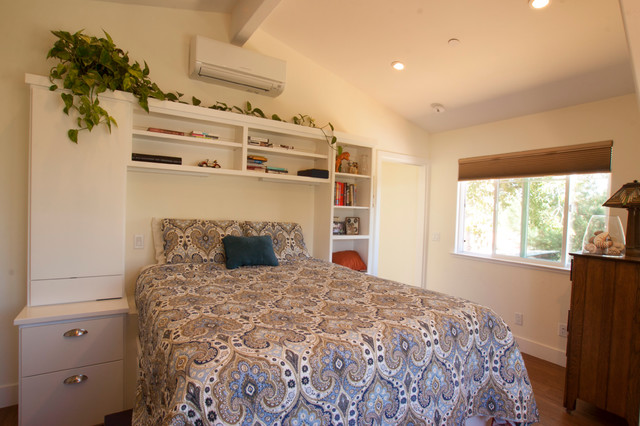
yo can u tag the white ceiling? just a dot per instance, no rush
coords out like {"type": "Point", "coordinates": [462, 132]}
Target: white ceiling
{"type": "Point", "coordinates": [511, 60]}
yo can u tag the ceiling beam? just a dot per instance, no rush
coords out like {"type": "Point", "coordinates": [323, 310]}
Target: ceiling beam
{"type": "Point", "coordinates": [246, 17]}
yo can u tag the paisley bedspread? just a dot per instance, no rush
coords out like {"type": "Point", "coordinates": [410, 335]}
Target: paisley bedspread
{"type": "Point", "coordinates": [313, 343]}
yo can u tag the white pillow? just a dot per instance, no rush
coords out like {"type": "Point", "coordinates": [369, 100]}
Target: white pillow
{"type": "Point", "coordinates": [158, 241]}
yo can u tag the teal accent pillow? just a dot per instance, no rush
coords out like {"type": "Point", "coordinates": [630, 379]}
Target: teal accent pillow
{"type": "Point", "coordinates": [249, 251]}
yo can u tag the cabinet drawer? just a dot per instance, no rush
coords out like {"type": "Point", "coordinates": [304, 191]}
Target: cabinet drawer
{"type": "Point", "coordinates": [46, 399]}
{"type": "Point", "coordinates": [44, 348]}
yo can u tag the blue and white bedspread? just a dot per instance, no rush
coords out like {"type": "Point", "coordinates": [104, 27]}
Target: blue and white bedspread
{"type": "Point", "coordinates": [313, 343]}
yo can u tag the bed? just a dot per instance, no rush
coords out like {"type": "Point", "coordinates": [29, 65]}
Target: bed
{"type": "Point", "coordinates": [311, 342]}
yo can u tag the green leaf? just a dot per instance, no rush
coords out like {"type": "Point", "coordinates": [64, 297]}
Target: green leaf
{"type": "Point", "coordinates": [73, 135]}
{"type": "Point", "coordinates": [276, 117]}
{"type": "Point", "coordinates": [195, 101]}
{"type": "Point", "coordinates": [53, 87]}
{"type": "Point", "coordinates": [68, 102]}
{"type": "Point", "coordinates": [144, 103]}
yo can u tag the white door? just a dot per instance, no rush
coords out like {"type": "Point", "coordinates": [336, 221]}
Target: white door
{"type": "Point", "coordinates": [399, 252]}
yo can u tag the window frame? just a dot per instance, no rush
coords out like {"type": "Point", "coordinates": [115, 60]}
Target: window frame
{"type": "Point", "coordinates": [563, 264]}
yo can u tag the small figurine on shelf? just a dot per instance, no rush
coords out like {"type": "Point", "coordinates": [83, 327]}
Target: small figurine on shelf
{"type": "Point", "coordinates": [207, 163]}
{"type": "Point", "coordinates": [339, 158]}
{"type": "Point", "coordinates": [353, 167]}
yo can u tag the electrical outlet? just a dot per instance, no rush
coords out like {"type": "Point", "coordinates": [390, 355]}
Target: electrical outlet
{"type": "Point", "coordinates": [519, 318]}
{"type": "Point", "coordinates": [138, 241]}
{"type": "Point", "coordinates": [562, 330]}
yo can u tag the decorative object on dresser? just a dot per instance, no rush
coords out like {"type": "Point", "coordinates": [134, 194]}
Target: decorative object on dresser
{"type": "Point", "coordinates": [628, 197]}
{"type": "Point", "coordinates": [604, 236]}
{"type": "Point", "coordinates": [603, 350]}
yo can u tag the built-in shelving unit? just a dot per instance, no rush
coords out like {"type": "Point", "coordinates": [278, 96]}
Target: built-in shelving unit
{"type": "Point", "coordinates": [292, 147]}
{"type": "Point", "coordinates": [361, 205]}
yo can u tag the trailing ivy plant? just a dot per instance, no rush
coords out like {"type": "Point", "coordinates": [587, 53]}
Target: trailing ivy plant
{"type": "Point", "coordinates": [305, 120]}
{"type": "Point", "coordinates": [89, 66]}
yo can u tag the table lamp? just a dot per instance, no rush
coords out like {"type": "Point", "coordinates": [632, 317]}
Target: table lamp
{"type": "Point", "coordinates": [628, 197]}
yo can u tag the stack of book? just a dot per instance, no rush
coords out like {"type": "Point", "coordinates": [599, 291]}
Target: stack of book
{"type": "Point", "coordinates": [258, 141]}
{"type": "Point", "coordinates": [345, 194]}
{"type": "Point", "coordinates": [256, 162]}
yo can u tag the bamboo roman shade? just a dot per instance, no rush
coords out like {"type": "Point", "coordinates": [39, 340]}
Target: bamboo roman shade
{"type": "Point", "coordinates": [563, 160]}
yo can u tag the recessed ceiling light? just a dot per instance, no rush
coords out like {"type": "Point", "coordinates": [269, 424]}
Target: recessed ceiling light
{"type": "Point", "coordinates": [397, 65]}
{"type": "Point", "coordinates": [439, 108]}
{"type": "Point", "coordinates": [538, 4]}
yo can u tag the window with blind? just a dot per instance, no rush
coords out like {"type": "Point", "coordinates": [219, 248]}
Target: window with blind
{"type": "Point", "coordinates": [531, 206]}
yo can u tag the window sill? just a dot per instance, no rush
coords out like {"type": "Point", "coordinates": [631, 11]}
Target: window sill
{"type": "Point", "coordinates": [510, 262]}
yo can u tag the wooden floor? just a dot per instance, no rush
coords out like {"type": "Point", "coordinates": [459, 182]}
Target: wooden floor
{"type": "Point", "coordinates": [548, 386]}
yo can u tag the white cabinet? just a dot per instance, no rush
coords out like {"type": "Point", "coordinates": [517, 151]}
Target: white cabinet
{"type": "Point", "coordinates": [71, 362]}
{"type": "Point", "coordinates": [76, 204]}
{"type": "Point", "coordinates": [352, 201]}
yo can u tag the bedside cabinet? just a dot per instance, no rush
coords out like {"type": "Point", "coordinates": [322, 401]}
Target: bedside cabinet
{"type": "Point", "coordinates": [603, 350]}
{"type": "Point", "coordinates": [71, 362]}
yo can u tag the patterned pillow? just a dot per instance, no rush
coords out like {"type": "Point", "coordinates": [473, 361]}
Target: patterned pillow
{"type": "Point", "coordinates": [288, 242]}
{"type": "Point", "coordinates": [197, 240]}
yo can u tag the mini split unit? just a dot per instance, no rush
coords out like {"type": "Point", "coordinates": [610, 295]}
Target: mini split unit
{"type": "Point", "coordinates": [221, 63]}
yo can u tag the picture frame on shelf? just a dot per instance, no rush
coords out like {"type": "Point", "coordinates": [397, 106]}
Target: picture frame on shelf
{"type": "Point", "coordinates": [352, 225]}
{"type": "Point", "coordinates": [339, 227]}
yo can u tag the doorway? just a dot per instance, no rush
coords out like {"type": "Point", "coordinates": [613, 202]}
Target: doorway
{"type": "Point", "coordinates": [400, 246]}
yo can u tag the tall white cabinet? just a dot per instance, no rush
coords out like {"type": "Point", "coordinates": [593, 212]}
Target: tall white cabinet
{"type": "Point", "coordinates": [76, 204]}
{"type": "Point", "coordinates": [72, 329]}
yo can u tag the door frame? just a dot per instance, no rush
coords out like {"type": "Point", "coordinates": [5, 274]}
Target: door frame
{"type": "Point", "coordinates": [422, 163]}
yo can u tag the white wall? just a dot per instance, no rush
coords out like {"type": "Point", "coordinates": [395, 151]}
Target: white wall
{"type": "Point", "coordinates": [542, 296]}
{"type": "Point", "coordinates": [161, 37]}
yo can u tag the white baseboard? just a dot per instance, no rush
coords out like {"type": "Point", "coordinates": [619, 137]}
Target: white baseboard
{"type": "Point", "coordinates": [8, 395]}
{"type": "Point", "coordinates": [541, 351]}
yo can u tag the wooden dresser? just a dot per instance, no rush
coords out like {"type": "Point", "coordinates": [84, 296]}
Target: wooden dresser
{"type": "Point", "coordinates": [603, 350]}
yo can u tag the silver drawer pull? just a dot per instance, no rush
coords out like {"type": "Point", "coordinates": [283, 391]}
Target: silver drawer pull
{"type": "Point", "coordinates": [76, 332]}
{"type": "Point", "coordinates": [78, 378]}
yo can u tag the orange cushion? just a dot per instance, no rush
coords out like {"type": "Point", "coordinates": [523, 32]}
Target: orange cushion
{"type": "Point", "coordinates": [350, 259]}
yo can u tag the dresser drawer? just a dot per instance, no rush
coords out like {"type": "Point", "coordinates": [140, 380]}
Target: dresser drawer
{"type": "Point", "coordinates": [45, 348]}
{"type": "Point", "coordinates": [46, 399]}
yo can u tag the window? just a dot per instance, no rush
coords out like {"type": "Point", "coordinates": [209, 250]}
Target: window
{"type": "Point", "coordinates": [532, 206]}
{"type": "Point", "coordinates": [538, 219]}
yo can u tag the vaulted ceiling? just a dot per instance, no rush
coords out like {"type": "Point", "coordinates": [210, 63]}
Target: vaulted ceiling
{"type": "Point", "coordinates": [506, 58]}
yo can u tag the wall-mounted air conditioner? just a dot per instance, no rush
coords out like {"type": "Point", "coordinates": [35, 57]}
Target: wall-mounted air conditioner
{"type": "Point", "coordinates": [221, 63]}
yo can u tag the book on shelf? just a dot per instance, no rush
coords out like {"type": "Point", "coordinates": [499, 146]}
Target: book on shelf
{"type": "Point", "coordinates": [203, 135]}
{"type": "Point", "coordinates": [251, 138]}
{"type": "Point", "coordinates": [317, 173]}
{"type": "Point", "coordinates": [256, 167]}
{"type": "Point", "coordinates": [344, 194]}
{"type": "Point", "coordinates": [280, 170]}
{"type": "Point", "coordinates": [153, 158]}
{"type": "Point", "coordinates": [168, 132]}
{"type": "Point", "coordinates": [257, 158]}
